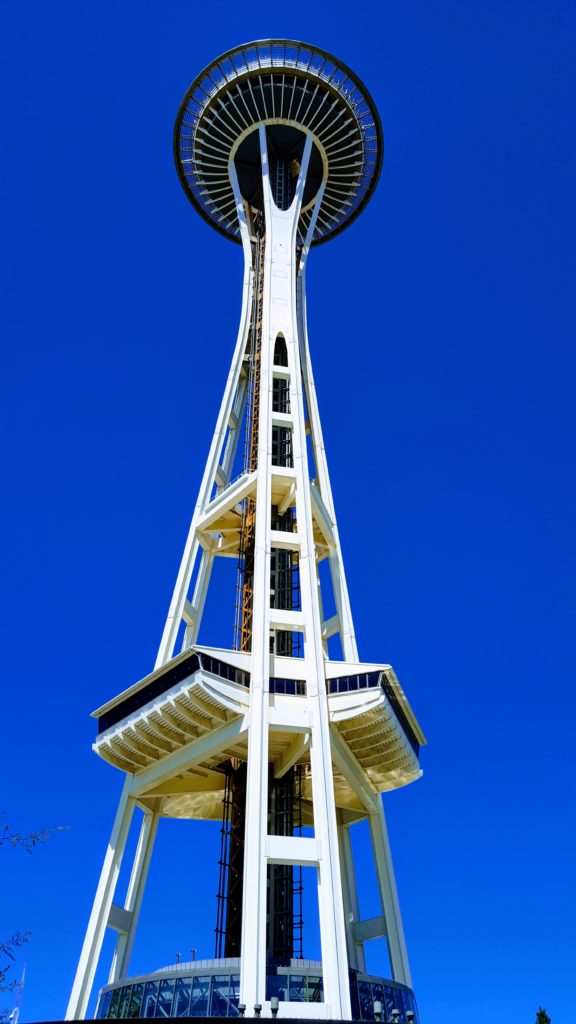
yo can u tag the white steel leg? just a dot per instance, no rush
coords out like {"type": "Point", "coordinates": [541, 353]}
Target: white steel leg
{"type": "Point", "coordinates": [84, 979]}
{"type": "Point", "coordinates": [339, 585]}
{"type": "Point", "coordinates": [389, 895]}
{"type": "Point", "coordinates": [125, 942]}
{"type": "Point", "coordinates": [235, 432]}
{"type": "Point", "coordinates": [351, 908]}
{"type": "Point", "coordinates": [174, 618]}
{"type": "Point", "coordinates": [199, 599]}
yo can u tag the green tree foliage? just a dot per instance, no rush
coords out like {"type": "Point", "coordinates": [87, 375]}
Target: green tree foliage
{"type": "Point", "coordinates": [542, 1017]}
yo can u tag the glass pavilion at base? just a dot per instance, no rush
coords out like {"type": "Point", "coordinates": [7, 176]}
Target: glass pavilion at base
{"type": "Point", "coordinates": [211, 988]}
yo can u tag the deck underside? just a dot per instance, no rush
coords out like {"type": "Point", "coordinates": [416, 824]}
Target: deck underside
{"type": "Point", "coordinates": [189, 732]}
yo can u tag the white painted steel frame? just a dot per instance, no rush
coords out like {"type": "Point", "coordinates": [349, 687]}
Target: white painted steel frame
{"type": "Point", "coordinates": [84, 980]}
{"type": "Point", "coordinates": [229, 413]}
{"type": "Point", "coordinates": [342, 932]}
{"type": "Point", "coordinates": [222, 451]}
{"type": "Point", "coordinates": [279, 316]}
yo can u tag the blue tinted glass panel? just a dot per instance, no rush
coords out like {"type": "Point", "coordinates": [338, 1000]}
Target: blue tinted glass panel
{"type": "Point", "coordinates": [103, 1005]}
{"type": "Point", "coordinates": [399, 998]}
{"type": "Point", "coordinates": [297, 988]}
{"type": "Point", "coordinates": [234, 995]}
{"type": "Point", "coordinates": [277, 985]}
{"type": "Point", "coordinates": [200, 993]}
{"type": "Point", "coordinates": [136, 1000]}
{"type": "Point", "coordinates": [165, 997]}
{"type": "Point", "coordinates": [150, 994]}
{"type": "Point", "coordinates": [378, 997]}
{"type": "Point", "coordinates": [410, 1004]}
{"type": "Point", "coordinates": [114, 1003]}
{"type": "Point", "coordinates": [314, 990]}
{"type": "Point", "coordinates": [182, 997]}
{"type": "Point", "coordinates": [219, 1001]}
{"type": "Point", "coordinates": [354, 996]}
{"type": "Point", "coordinates": [124, 1002]}
{"type": "Point", "coordinates": [365, 997]}
{"type": "Point", "coordinates": [389, 1001]}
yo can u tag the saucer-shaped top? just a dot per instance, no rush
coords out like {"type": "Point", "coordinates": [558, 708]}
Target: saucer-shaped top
{"type": "Point", "coordinates": [283, 85]}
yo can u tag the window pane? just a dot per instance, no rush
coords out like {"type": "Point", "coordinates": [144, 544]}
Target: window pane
{"type": "Point", "coordinates": [277, 985]}
{"type": "Point", "coordinates": [150, 993]}
{"type": "Point", "coordinates": [390, 1001]}
{"type": "Point", "coordinates": [378, 997]}
{"type": "Point", "coordinates": [297, 988]}
{"type": "Point", "coordinates": [103, 1005]}
{"type": "Point", "coordinates": [314, 990]}
{"type": "Point", "coordinates": [365, 995]}
{"type": "Point", "coordinates": [182, 998]}
{"type": "Point", "coordinates": [113, 1010]}
{"type": "Point", "coordinates": [165, 996]}
{"type": "Point", "coordinates": [410, 1004]}
{"type": "Point", "coordinates": [219, 1002]}
{"type": "Point", "coordinates": [136, 1000]}
{"type": "Point", "coordinates": [399, 1002]}
{"type": "Point", "coordinates": [234, 995]}
{"type": "Point", "coordinates": [199, 1004]}
{"type": "Point", "coordinates": [124, 1001]}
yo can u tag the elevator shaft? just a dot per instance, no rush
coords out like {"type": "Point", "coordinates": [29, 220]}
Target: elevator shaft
{"type": "Point", "coordinates": [284, 896]}
{"type": "Point", "coordinates": [285, 595]}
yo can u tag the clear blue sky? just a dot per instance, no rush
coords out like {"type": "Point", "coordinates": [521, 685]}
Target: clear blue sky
{"type": "Point", "coordinates": [443, 343]}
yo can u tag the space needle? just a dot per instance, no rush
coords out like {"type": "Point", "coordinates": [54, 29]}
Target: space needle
{"type": "Point", "coordinates": [282, 734]}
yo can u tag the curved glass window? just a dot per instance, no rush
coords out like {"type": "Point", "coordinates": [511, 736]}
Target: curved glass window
{"type": "Point", "coordinates": [114, 1003]}
{"type": "Point", "coordinates": [200, 993]}
{"type": "Point", "coordinates": [234, 995]}
{"type": "Point", "coordinates": [103, 1005]}
{"type": "Point", "coordinates": [389, 1001]}
{"type": "Point", "coordinates": [135, 1000]}
{"type": "Point", "coordinates": [314, 990]}
{"type": "Point", "coordinates": [182, 997]}
{"type": "Point", "coordinates": [277, 985]}
{"type": "Point", "coordinates": [218, 994]}
{"type": "Point", "coordinates": [124, 1002]}
{"type": "Point", "coordinates": [377, 996]}
{"type": "Point", "coordinates": [165, 998]}
{"type": "Point", "coordinates": [366, 1000]}
{"type": "Point", "coordinates": [150, 996]}
{"type": "Point", "coordinates": [297, 988]}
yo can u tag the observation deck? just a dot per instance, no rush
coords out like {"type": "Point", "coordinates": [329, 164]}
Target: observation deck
{"type": "Point", "coordinates": [294, 90]}
{"type": "Point", "coordinates": [200, 698]}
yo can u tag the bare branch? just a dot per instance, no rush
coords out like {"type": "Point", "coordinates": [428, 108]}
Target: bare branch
{"type": "Point", "coordinates": [27, 842]}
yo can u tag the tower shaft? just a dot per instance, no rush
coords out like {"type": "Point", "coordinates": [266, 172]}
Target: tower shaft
{"type": "Point", "coordinates": [279, 318]}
